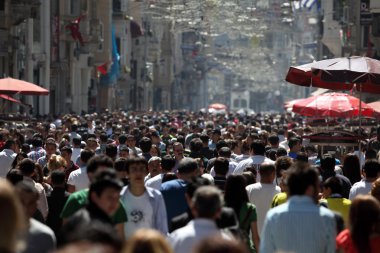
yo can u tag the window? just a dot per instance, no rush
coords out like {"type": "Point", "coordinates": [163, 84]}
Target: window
{"type": "Point", "coordinates": [2, 5]}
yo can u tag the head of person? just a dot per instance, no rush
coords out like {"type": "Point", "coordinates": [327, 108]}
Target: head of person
{"type": "Point", "coordinates": [27, 167]}
{"type": "Point", "coordinates": [363, 219]}
{"type": "Point", "coordinates": [12, 222]}
{"type": "Point", "coordinates": [66, 153]}
{"type": "Point", "coordinates": [267, 173]}
{"type": "Point", "coordinates": [19, 157]}
{"type": "Point", "coordinates": [187, 168]}
{"type": "Point", "coordinates": [327, 163]}
{"type": "Point", "coordinates": [91, 144]}
{"type": "Point", "coordinates": [221, 166]}
{"type": "Point", "coordinates": [37, 142]}
{"type": "Point", "coordinates": [137, 169]}
{"type": "Point", "coordinates": [50, 146]}
{"type": "Point", "coordinates": [274, 140]}
{"type": "Point", "coordinates": [235, 194]}
{"type": "Point", "coordinates": [303, 180]}
{"type": "Point", "coordinates": [105, 191]}
{"type": "Point", "coordinates": [178, 150]}
{"type": "Point", "coordinates": [145, 144]}
{"type": "Point", "coordinates": [147, 241]}
{"type": "Point", "coordinates": [370, 154]}
{"type": "Point", "coordinates": [282, 163]}
{"type": "Point", "coordinates": [122, 139]}
{"type": "Point", "coordinates": [207, 202]}
{"type": "Point", "coordinates": [217, 244]}
{"type": "Point", "coordinates": [294, 144]}
{"type": "Point", "coordinates": [155, 150]}
{"type": "Point", "coordinates": [10, 144]}
{"type": "Point", "coordinates": [57, 162]}
{"type": "Point", "coordinates": [111, 151]}
{"type": "Point", "coordinates": [196, 146]}
{"type": "Point", "coordinates": [167, 163]}
{"type": "Point", "coordinates": [371, 169]}
{"type": "Point", "coordinates": [85, 155]}
{"type": "Point", "coordinates": [332, 185]}
{"type": "Point", "coordinates": [281, 152]}
{"type": "Point", "coordinates": [302, 157]}
{"type": "Point", "coordinates": [154, 166]}
{"type": "Point", "coordinates": [98, 163]}
{"type": "Point", "coordinates": [123, 151]}
{"type": "Point", "coordinates": [76, 142]}
{"type": "Point", "coordinates": [28, 196]}
{"type": "Point", "coordinates": [225, 152]}
{"type": "Point", "coordinates": [258, 147]}
{"type": "Point", "coordinates": [58, 179]}
{"type": "Point", "coordinates": [351, 168]}
{"type": "Point", "coordinates": [215, 135]}
{"type": "Point", "coordinates": [131, 141]}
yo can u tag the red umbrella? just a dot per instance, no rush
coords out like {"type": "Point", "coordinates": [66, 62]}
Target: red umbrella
{"type": "Point", "coordinates": [10, 99]}
{"type": "Point", "coordinates": [217, 106]}
{"type": "Point", "coordinates": [375, 105]}
{"type": "Point", "coordinates": [14, 86]}
{"type": "Point", "coordinates": [332, 105]}
{"type": "Point", "coordinates": [338, 74]}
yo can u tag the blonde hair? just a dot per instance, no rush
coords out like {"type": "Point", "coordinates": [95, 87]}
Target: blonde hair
{"type": "Point", "coordinates": [12, 219]}
{"type": "Point", "coordinates": [147, 241]}
{"type": "Point", "coordinates": [56, 162]}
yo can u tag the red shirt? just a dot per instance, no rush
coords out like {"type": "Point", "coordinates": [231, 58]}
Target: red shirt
{"type": "Point", "coordinates": [345, 243]}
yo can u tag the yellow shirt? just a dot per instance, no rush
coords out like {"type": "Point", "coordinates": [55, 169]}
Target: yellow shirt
{"type": "Point", "coordinates": [340, 205]}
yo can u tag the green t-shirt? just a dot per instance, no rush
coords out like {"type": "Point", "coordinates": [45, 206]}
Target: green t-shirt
{"type": "Point", "coordinates": [79, 199]}
{"type": "Point", "coordinates": [245, 220]}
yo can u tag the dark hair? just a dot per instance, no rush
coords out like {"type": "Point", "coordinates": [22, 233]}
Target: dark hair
{"type": "Point", "coordinates": [273, 139]}
{"type": "Point", "coordinates": [334, 184]}
{"type": "Point", "coordinates": [136, 160]}
{"type": "Point", "coordinates": [122, 139]}
{"type": "Point", "coordinates": [105, 179]}
{"type": "Point", "coordinates": [37, 142]}
{"type": "Point", "coordinates": [121, 164]}
{"type": "Point", "coordinates": [282, 163]}
{"type": "Point", "coordinates": [235, 194]}
{"type": "Point", "coordinates": [77, 141]}
{"type": "Point", "coordinates": [220, 144]}
{"type": "Point", "coordinates": [111, 150]}
{"type": "Point", "coordinates": [300, 177]}
{"type": "Point", "coordinates": [8, 144]}
{"type": "Point", "coordinates": [221, 166]}
{"type": "Point", "coordinates": [99, 160]}
{"type": "Point", "coordinates": [169, 176]}
{"type": "Point", "coordinates": [145, 144]}
{"type": "Point", "coordinates": [225, 152]}
{"type": "Point", "coordinates": [293, 141]}
{"type": "Point", "coordinates": [250, 177]}
{"type": "Point", "coordinates": [370, 154]}
{"type": "Point", "coordinates": [204, 138]}
{"type": "Point", "coordinates": [371, 168]}
{"type": "Point", "coordinates": [207, 200]}
{"type": "Point", "coordinates": [67, 149]}
{"type": "Point", "coordinates": [266, 169]}
{"type": "Point", "coordinates": [258, 147]}
{"type": "Point", "coordinates": [86, 154]}
{"type": "Point", "coordinates": [167, 163]}
{"type": "Point", "coordinates": [57, 177]}
{"type": "Point", "coordinates": [15, 160]}
{"type": "Point", "coordinates": [351, 168]}
{"type": "Point", "coordinates": [196, 145]}
{"type": "Point", "coordinates": [328, 163]}
{"type": "Point", "coordinates": [302, 157]}
{"type": "Point", "coordinates": [14, 176]}
{"type": "Point", "coordinates": [281, 152]}
{"type": "Point", "coordinates": [27, 167]}
{"type": "Point", "coordinates": [187, 165]}
{"type": "Point", "coordinates": [194, 184]}
{"type": "Point", "coordinates": [364, 213]}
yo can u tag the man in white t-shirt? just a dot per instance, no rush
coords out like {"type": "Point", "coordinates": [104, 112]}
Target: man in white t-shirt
{"type": "Point", "coordinates": [145, 206]}
{"type": "Point", "coordinates": [78, 179]}
{"type": "Point", "coordinates": [371, 170]}
{"type": "Point", "coordinates": [167, 165]}
{"type": "Point", "coordinates": [261, 194]}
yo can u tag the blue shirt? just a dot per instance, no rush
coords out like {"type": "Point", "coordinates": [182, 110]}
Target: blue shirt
{"type": "Point", "coordinates": [173, 192]}
{"type": "Point", "coordinates": [299, 226]}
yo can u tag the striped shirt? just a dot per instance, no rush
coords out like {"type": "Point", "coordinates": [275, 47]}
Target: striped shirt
{"type": "Point", "coordinates": [299, 226]}
{"type": "Point", "coordinates": [36, 154]}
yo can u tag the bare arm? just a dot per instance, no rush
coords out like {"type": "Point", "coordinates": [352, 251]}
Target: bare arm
{"type": "Point", "coordinates": [120, 230]}
{"type": "Point", "coordinates": [255, 236]}
{"type": "Point", "coordinates": [70, 188]}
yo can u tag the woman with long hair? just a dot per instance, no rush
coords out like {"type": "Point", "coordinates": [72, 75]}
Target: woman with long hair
{"type": "Point", "coordinates": [363, 233]}
{"type": "Point", "coordinates": [12, 222]}
{"type": "Point", "coordinates": [351, 168]}
{"type": "Point", "coordinates": [147, 241]}
{"type": "Point", "coordinates": [235, 196]}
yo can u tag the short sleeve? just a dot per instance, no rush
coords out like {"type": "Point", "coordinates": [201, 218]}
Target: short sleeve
{"type": "Point", "coordinates": [253, 215]}
{"type": "Point", "coordinates": [121, 215]}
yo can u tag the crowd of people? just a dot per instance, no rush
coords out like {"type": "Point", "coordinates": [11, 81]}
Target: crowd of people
{"type": "Point", "coordinates": [181, 182]}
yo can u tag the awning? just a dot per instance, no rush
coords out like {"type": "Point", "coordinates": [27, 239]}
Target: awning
{"type": "Point", "coordinates": [6, 97]}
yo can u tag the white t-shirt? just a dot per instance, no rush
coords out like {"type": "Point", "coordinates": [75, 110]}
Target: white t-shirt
{"type": "Point", "coordinates": [79, 179]}
{"type": "Point", "coordinates": [361, 187]}
{"type": "Point", "coordinates": [261, 195]}
{"type": "Point", "coordinates": [139, 212]}
{"type": "Point", "coordinates": [155, 182]}
{"type": "Point", "coordinates": [76, 153]}
{"type": "Point", "coordinates": [231, 167]}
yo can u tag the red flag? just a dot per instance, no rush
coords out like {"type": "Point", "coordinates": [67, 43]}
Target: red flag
{"type": "Point", "coordinates": [102, 68]}
{"type": "Point", "coordinates": [74, 28]}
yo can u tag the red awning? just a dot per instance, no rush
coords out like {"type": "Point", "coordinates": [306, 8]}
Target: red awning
{"type": "Point", "coordinates": [6, 97]}
{"type": "Point", "coordinates": [14, 86]}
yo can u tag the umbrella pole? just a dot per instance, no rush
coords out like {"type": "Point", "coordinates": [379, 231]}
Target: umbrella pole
{"type": "Point", "coordinates": [360, 119]}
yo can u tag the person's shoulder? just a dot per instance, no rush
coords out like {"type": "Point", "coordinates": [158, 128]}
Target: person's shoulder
{"type": "Point", "coordinates": [170, 184]}
{"type": "Point", "coordinates": [82, 194]}
{"type": "Point", "coordinates": [40, 228]}
{"type": "Point", "coordinates": [153, 192]}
